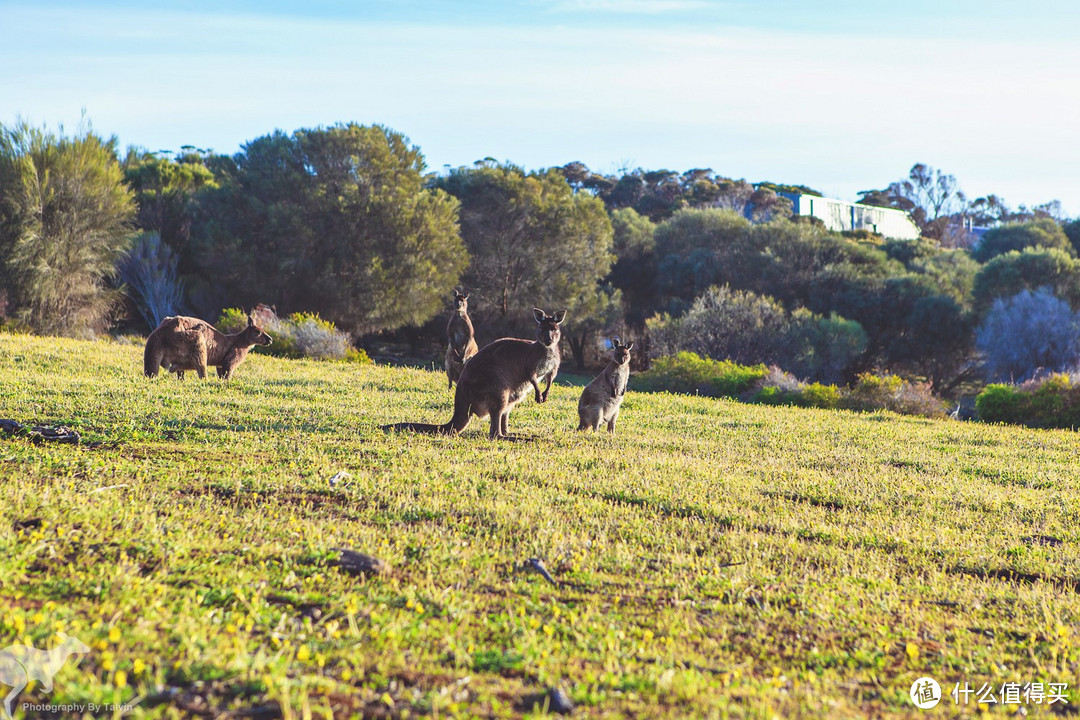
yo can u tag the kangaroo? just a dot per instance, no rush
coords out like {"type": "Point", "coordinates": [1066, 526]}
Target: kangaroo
{"type": "Point", "coordinates": [602, 397]}
{"type": "Point", "coordinates": [499, 377]}
{"type": "Point", "coordinates": [461, 343]}
{"type": "Point", "coordinates": [19, 664]}
{"type": "Point", "coordinates": [185, 343]}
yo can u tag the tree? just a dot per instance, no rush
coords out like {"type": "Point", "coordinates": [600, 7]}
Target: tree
{"type": "Point", "coordinates": [937, 342]}
{"type": "Point", "coordinates": [694, 249]}
{"type": "Point", "coordinates": [931, 196]}
{"type": "Point", "coordinates": [1072, 231]}
{"type": "Point", "coordinates": [1006, 275]}
{"type": "Point", "coordinates": [1029, 332]}
{"type": "Point", "coordinates": [533, 241]}
{"type": "Point", "coordinates": [596, 310]}
{"type": "Point", "coordinates": [65, 218]}
{"type": "Point", "coordinates": [634, 271]}
{"type": "Point", "coordinates": [166, 192]}
{"type": "Point", "coordinates": [332, 220]}
{"type": "Point", "coordinates": [820, 348]}
{"type": "Point", "coordinates": [1017, 236]}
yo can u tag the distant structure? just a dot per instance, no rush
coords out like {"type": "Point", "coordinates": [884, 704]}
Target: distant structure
{"type": "Point", "coordinates": [839, 216]}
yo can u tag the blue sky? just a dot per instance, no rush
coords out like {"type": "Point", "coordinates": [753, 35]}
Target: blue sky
{"type": "Point", "coordinates": [838, 95]}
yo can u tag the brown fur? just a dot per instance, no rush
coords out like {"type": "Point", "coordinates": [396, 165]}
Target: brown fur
{"type": "Point", "coordinates": [185, 343]}
{"type": "Point", "coordinates": [499, 377]}
{"type": "Point", "coordinates": [600, 401]}
{"type": "Point", "coordinates": [461, 342]}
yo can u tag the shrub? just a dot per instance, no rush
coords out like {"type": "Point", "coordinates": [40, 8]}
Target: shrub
{"type": "Point", "coordinates": [1029, 332]}
{"type": "Point", "coordinates": [689, 373]}
{"type": "Point", "coordinates": [318, 338]}
{"type": "Point", "coordinates": [748, 328]}
{"type": "Point", "coordinates": [1043, 232]}
{"type": "Point", "coordinates": [891, 392]}
{"type": "Point", "coordinates": [1053, 402]}
{"type": "Point", "coordinates": [781, 388]}
{"type": "Point", "coordinates": [820, 396]}
{"type": "Point", "coordinates": [300, 335]}
{"type": "Point", "coordinates": [1000, 403]}
{"type": "Point", "coordinates": [724, 324]}
{"type": "Point", "coordinates": [872, 392]}
{"type": "Point", "coordinates": [233, 320]}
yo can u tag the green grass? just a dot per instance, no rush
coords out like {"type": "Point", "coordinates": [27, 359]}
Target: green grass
{"type": "Point", "coordinates": [721, 559]}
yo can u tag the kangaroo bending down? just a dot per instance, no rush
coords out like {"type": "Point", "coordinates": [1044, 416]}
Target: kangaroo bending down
{"type": "Point", "coordinates": [600, 401]}
{"type": "Point", "coordinates": [499, 377]}
{"type": "Point", "coordinates": [461, 343]}
{"type": "Point", "coordinates": [19, 664]}
{"type": "Point", "coordinates": [185, 343]}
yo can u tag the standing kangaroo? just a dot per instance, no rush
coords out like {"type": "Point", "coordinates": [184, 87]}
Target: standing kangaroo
{"type": "Point", "coordinates": [499, 377]}
{"type": "Point", "coordinates": [461, 343]}
{"type": "Point", "coordinates": [600, 401]}
{"type": "Point", "coordinates": [185, 343]}
{"type": "Point", "coordinates": [19, 664]}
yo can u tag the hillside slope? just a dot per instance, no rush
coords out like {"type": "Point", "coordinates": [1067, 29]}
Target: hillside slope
{"type": "Point", "coordinates": [717, 558]}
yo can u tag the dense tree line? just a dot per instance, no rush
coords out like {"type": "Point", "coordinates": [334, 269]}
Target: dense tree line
{"type": "Point", "coordinates": [347, 222]}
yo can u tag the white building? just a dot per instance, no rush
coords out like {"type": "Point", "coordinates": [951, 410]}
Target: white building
{"type": "Point", "coordinates": [839, 216]}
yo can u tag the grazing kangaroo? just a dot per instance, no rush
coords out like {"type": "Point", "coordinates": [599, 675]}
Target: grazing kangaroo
{"type": "Point", "coordinates": [461, 343]}
{"type": "Point", "coordinates": [600, 401]}
{"type": "Point", "coordinates": [499, 377]}
{"type": "Point", "coordinates": [19, 664]}
{"type": "Point", "coordinates": [185, 343]}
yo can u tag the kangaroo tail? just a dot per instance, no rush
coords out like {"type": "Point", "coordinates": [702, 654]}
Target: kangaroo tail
{"type": "Point", "coordinates": [456, 424]}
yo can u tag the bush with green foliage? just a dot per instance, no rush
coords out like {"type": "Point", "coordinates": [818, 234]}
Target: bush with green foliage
{"type": "Point", "coordinates": [300, 335]}
{"type": "Point", "coordinates": [65, 219]}
{"type": "Point", "coordinates": [1030, 269]}
{"type": "Point", "coordinates": [891, 392]}
{"type": "Point", "coordinates": [689, 373]}
{"type": "Point", "coordinates": [748, 328]}
{"type": "Point", "coordinates": [1043, 232]}
{"type": "Point", "coordinates": [1053, 402]}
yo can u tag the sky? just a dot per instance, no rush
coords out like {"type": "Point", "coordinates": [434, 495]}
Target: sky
{"type": "Point", "coordinates": [838, 95]}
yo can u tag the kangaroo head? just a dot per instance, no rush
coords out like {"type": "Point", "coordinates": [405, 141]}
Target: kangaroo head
{"type": "Point", "coordinates": [461, 301]}
{"type": "Point", "coordinates": [253, 334]}
{"type": "Point", "coordinates": [547, 326]}
{"type": "Point", "coordinates": [72, 646]}
{"type": "Point", "coordinates": [621, 354]}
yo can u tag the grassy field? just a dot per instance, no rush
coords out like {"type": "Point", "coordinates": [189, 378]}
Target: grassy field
{"type": "Point", "coordinates": [716, 559]}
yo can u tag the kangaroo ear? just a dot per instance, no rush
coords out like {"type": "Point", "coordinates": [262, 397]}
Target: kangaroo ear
{"type": "Point", "coordinates": [615, 343]}
{"type": "Point", "coordinates": [539, 315]}
{"type": "Point", "coordinates": [251, 320]}
{"type": "Point", "coordinates": [629, 346]}
{"type": "Point", "coordinates": [559, 317]}
{"type": "Point", "coordinates": [464, 296]}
